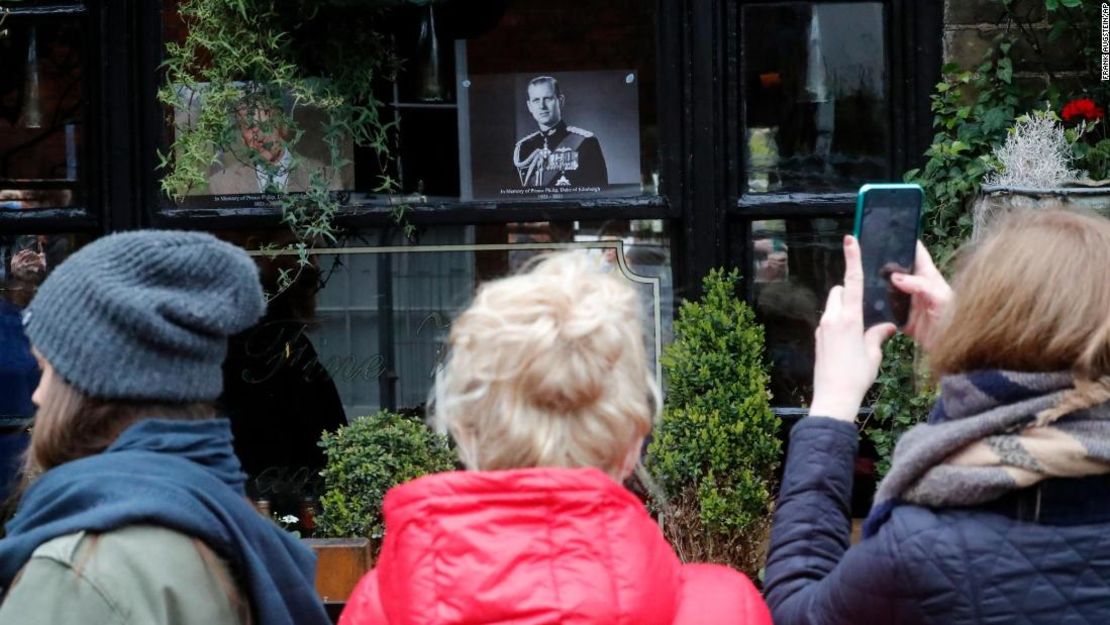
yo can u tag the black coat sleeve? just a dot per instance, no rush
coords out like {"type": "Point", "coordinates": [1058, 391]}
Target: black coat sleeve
{"type": "Point", "coordinates": [591, 164]}
{"type": "Point", "coordinates": [812, 576]}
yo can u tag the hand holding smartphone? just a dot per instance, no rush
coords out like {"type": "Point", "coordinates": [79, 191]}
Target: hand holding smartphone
{"type": "Point", "coordinates": [888, 218]}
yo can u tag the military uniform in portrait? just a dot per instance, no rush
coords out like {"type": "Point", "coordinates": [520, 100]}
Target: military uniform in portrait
{"type": "Point", "coordinates": [563, 156]}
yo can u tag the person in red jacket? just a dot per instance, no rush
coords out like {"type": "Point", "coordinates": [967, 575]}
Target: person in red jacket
{"type": "Point", "coordinates": [547, 393]}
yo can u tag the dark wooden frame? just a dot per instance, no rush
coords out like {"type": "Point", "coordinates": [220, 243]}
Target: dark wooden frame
{"type": "Point", "coordinates": [913, 68]}
{"type": "Point", "coordinates": [698, 59]}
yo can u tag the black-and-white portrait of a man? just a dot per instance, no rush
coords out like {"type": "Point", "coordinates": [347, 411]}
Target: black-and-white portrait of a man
{"type": "Point", "coordinates": [557, 154]}
{"type": "Point", "coordinates": [550, 135]}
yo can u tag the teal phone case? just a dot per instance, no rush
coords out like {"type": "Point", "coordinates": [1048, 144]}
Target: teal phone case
{"type": "Point", "coordinates": [870, 317]}
{"type": "Point", "coordinates": [884, 186]}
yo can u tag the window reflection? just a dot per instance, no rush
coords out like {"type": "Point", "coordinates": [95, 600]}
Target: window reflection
{"type": "Point", "coordinates": [382, 317]}
{"type": "Point", "coordinates": [25, 261]}
{"type": "Point", "coordinates": [815, 86]}
{"type": "Point", "coordinates": [364, 324]}
{"type": "Point", "coordinates": [459, 105]}
{"type": "Point", "coordinates": [278, 397]}
{"type": "Point", "coordinates": [41, 128]}
{"type": "Point", "coordinates": [794, 264]}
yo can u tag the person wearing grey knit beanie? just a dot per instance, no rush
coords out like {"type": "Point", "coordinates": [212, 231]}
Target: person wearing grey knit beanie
{"type": "Point", "coordinates": [128, 458]}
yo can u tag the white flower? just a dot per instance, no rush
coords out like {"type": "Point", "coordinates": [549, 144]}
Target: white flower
{"type": "Point", "coordinates": [289, 519]}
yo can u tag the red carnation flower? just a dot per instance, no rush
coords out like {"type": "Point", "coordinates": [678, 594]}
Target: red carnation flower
{"type": "Point", "coordinates": [1083, 108]}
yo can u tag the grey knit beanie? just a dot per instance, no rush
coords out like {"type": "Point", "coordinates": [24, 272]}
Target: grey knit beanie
{"type": "Point", "coordinates": [145, 315]}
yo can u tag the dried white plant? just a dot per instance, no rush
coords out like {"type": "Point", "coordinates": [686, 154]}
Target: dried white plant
{"type": "Point", "coordinates": [1037, 154]}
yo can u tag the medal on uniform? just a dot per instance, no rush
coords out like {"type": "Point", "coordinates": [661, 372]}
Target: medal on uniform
{"type": "Point", "coordinates": [564, 159]}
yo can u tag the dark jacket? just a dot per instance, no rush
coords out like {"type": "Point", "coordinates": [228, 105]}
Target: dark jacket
{"type": "Point", "coordinates": [1031, 558]}
{"type": "Point", "coordinates": [280, 399]}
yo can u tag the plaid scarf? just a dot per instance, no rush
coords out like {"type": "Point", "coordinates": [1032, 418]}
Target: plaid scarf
{"type": "Point", "coordinates": [986, 436]}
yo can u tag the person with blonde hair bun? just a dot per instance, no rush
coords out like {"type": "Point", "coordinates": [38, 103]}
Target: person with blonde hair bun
{"type": "Point", "coordinates": [547, 394]}
{"type": "Point", "coordinates": [997, 509]}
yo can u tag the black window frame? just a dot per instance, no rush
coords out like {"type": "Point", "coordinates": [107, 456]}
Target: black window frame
{"type": "Point", "coordinates": [913, 61]}
{"type": "Point", "coordinates": [913, 46]}
{"type": "Point", "coordinates": [701, 167]}
{"type": "Point", "coordinates": [377, 215]}
{"type": "Point", "coordinates": [87, 216]}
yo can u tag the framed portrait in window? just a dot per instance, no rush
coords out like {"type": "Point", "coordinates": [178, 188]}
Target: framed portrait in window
{"type": "Point", "coordinates": [264, 154]}
{"type": "Point", "coordinates": [550, 135]}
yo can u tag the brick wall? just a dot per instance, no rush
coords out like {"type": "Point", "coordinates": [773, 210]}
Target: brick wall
{"type": "Point", "coordinates": [971, 25]}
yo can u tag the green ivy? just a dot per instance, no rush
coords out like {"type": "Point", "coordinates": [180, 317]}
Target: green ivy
{"type": "Point", "coordinates": [960, 155]}
{"type": "Point", "coordinates": [717, 449]}
{"type": "Point", "coordinates": [254, 56]}
{"type": "Point", "coordinates": [973, 109]}
{"type": "Point", "coordinates": [1078, 22]}
{"type": "Point", "coordinates": [364, 460]}
{"type": "Point", "coordinates": [905, 397]}
{"type": "Point", "coordinates": [957, 161]}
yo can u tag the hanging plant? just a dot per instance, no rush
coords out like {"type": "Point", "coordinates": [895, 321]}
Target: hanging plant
{"type": "Point", "coordinates": [246, 65]}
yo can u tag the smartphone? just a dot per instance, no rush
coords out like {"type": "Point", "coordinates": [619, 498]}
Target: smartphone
{"type": "Point", "coordinates": [888, 218]}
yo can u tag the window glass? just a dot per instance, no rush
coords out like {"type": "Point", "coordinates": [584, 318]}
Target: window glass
{"type": "Point", "coordinates": [794, 264]}
{"type": "Point", "coordinates": [816, 112]}
{"type": "Point", "coordinates": [497, 101]}
{"type": "Point", "coordinates": [25, 261]}
{"type": "Point", "coordinates": [41, 114]}
{"type": "Point", "coordinates": [601, 56]}
{"type": "Point", "coordinates": [364, 325]}
{"type": "Point", "coordinates": [20, 4]}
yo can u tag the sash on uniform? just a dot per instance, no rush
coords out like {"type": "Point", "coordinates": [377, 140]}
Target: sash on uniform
{"type": "Point", "coordinates": [544, 165]}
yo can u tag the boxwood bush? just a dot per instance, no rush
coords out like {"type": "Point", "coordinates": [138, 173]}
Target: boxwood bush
{"type": "Point", "coordinates": [716, 452]}
{"type": "Point", "coordinates": [364, 460]}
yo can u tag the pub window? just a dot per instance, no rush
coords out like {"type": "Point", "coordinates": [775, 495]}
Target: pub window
{"type": "Point", "coordinates": [794, 263]}
{"type": "Point", "coordinates": [824, 101]}
{"type": "Point", "coordinates": [25, 261]}
{"type": "Point", "coordinates": [49, 193]}
{"type": "Point", "coordinates": [816, 108]}
{"type": "Point", "coordinates": [522, 112]}
{"type": "Point", "coordinates": [738, 131]}
{"type": "Point", "coordinates": [498, 102]}
{"type": "Point", "coordinates": [43, 161]}
{"type": "Point", "coordinates": [364, 326]}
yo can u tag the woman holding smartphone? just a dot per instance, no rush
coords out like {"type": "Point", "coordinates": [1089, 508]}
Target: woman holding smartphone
{"type": "Point", "coordinates": [997, 509]}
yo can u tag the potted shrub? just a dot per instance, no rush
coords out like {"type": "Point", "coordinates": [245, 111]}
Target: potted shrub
{"type": "Point", "coordinates": [364, 460]}
{"type": "Point", "coordinates": [716, 452]}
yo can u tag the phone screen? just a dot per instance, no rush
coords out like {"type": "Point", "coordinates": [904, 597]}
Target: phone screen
{"type": "Point", "coordinates": [886, 226]}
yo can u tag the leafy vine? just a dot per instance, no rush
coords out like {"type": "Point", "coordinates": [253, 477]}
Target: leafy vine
{"type": "Point", "coordinates": [246, 65]}
{"type": "Point", "coordinates": [974, 108]}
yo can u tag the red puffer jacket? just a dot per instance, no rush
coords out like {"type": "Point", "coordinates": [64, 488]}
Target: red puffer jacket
{"type": "Point", "coordinates": [536, 547]}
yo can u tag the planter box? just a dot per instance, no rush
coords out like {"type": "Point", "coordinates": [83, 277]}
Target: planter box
{"type": "Point", "coordinates": [994, 201]}
{"type": "Point", "coordinates": [340, 563]}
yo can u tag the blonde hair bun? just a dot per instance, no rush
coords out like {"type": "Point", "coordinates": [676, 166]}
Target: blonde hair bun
{"type": "Point", "coordinates": [548, 368]}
